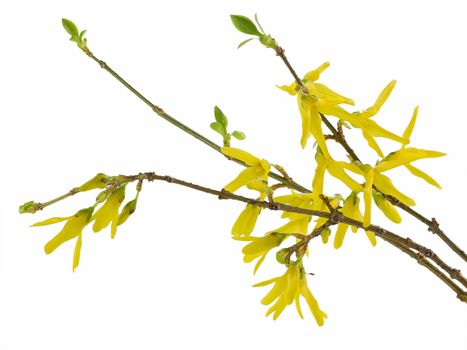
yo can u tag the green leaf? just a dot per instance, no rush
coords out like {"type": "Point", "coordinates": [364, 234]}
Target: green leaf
{"type": "Point", "coordinates": [219, 128]}
{"type": "Point", "coordinates": [245, 25]}
{"type": "Point", "coordinates": [244, 42]}
{"type": "Point", "coordinates": [220, 117]}
{"type": "Point", "coordinates": [238, 135]}
{"type": "Point", "coordinates": [70, 27]}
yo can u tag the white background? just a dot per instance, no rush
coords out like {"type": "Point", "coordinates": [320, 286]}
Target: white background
{"type": "Point", "coordinates": [173, 277]}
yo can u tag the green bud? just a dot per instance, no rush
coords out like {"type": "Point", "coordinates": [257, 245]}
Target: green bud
{"type": "Point", "coordinates": [268, 41]}
{"type": "Point", "coordinates": [245, 25]}
{"type": "Point", "coordinates": [281, 255]}
{"type": "Point", "coordinates": [29, 207]}
{"type": "Point", "coordinates": [127, 210]}
{"type": "Point", "coordinates": [325, 235]}
{"type": "Point", "coordinates": [98, 181]}
{"type": "Point", "coordinates": [102, 196]}
{"type": "Point", "coordinates": [76, 36]}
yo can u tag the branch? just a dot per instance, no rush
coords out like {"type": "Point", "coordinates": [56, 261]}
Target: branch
{"type": "Point", "coordinates": [334, 217]}
{"type": "Point", "coordinates": [161, 113]}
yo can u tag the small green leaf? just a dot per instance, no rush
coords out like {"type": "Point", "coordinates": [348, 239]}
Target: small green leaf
{"type": "Point", "coordinates": [70, 27]}
{"type": "Point", "coordinates": [245, 25]}
{"type": "Point", "coordinates": [259, 25]}
{"type": "Point", "coordinates": [239, 135]}
{"type": "Point", "coordinates": [219, 128]}
{"type": "Point", "coordinates": [244, 42]}
{"type": "Point", "coordinates": [220, 117]}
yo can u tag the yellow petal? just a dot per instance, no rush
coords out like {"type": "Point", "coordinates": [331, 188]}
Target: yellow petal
{"type": "Point", "coordinates": [267, 282]}
{"type": "Point", "coordinates": [314, 74]}
{"type": "Point", "coordinates": [246, 221]}
{"type": "Point", "coordinates": [109, 210]}
{"type": "Point", "coordinates": [247, 175]}
{"type": "Point", "coordinates": [383, 96]}
{"type": "Point", "coordinates": [387, 208]}
{"type": "Point", "coordinates": [241, 155]}
{"type": "Point", "coordinates": [327, 108]}
{"type": "Point", "coordinates": [376, 130]}
{"type": "Point", "coordinates": [323, 92]}
{"type": "Point", "coordinates": [51, 221]}
{"type": "Point", "coordinates": [355, 212]}
{"type": "Point", "coordinates": [296, 226]}
{"type": "Point", "coordinates": [263, 244]}
{"type": "Point", "coordinates": [98, 181]}
{"type": "Point", "coordinates": [258, 263]}
{"type": "Point", "coordinates": [408, 131]}
{"type": "Point", "coordinates": [405, 156]}
{"type": "Point", "coordinates": [275, 292]}
{"type": "Point", "coordinates": [336, 170]}
{"type": "Point", "coordinates": [291, 89]}
{"type": "Point", "coordinates": [318, 314]}
{"type": "Point", "coordinates": [318, 178]}
{"type": "Point", "coordinates": [299, 308]}
{"type": "Point", "coordinates": [385, 185]}
{"type": "Point", "coordinates": [77, 252]}
{"type": "Point", "coordinates": [369, 178]}
{"type": "Point", "coordinates": [417, 172]}
{"type": "Point", "coordinates": [371, 236]}
{"type": "Point", "coordinates": [71, 229]}
{"type": "Point", "coordinates": [340, 234]}
{"type": "Point", "coordinates": [305, 107]}
{"type": "Point", "coordinates": [372, 143]}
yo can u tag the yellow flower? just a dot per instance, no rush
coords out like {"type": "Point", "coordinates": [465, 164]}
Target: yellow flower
{"type": "Point", "coordinates": [350, 209]}
{"type": "Point", "coordinates": [374, 177]}
{"type": "Point", "coordinates": [287, 289]}
{"type": "Point", "coordinates": [369, 127]}
{"type": "Point", "coordinates": [73, 228]}
{"type": "Point", "coordinates": [258, 169]}
{"type": "Point", "coordinates": [411, 154]}
{"type": "Point", "coordinates": [109, 212]}
{"type": "Point", "coordinates": [259, 247]}
{"type": "Point", "coordinates": [319, 99]}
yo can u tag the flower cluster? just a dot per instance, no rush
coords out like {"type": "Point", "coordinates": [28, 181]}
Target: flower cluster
{"type": "Point", "coordinates": [366, 183]}
{"type": "Point", "coordinates": [109, 213]}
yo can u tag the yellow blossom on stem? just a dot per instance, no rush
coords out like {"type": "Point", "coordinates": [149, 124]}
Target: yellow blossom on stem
{"type": "Point", "coordinates": [109, 212]}
{"type": "Point", "coordinates": [317, 99]}
{"type": "Point", "coordinates": [362, 120]}
{"type": "Point", "coordinates": [287, 289]}
{"type": "Point", "coordinates": [259, 247]}
{"type": "Point", "coordinates": [258, 169]}
{"type": "Point", "coordinates": [405, 156]}
{"type": "Point", "coordinates": [73, 228]}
